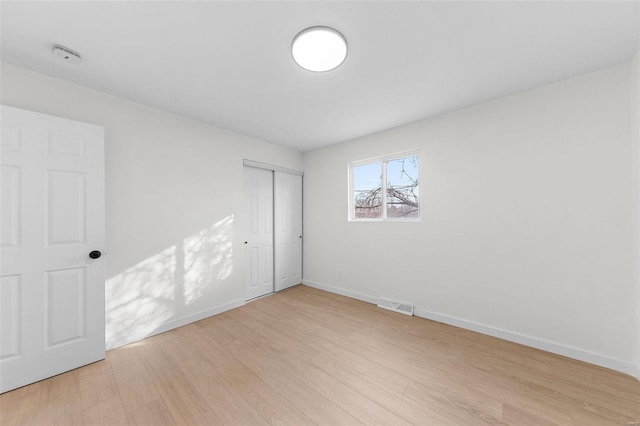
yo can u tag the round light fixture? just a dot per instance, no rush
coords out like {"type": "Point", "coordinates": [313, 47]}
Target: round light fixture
{"type": "Point", "coordinates": [319, 49]}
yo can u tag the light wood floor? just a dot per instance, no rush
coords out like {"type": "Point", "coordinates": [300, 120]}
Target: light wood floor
{"type": "Point", "coordinates": [304, 356]}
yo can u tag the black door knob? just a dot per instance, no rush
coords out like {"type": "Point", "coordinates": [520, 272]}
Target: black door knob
{"type": "Point", "coordinates": [95, 254]}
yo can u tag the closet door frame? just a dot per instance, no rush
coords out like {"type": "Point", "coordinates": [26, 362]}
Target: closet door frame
{"type": "Point", "coordinates": [276, 252]}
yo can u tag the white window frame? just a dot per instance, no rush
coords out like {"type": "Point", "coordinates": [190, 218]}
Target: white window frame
{"type": "Point", "coordinates": [383, 159]}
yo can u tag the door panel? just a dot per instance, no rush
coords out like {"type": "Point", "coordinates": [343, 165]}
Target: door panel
{"type": "Point", "coordinates": [259, 239]}
{"type": "Point", "coordinates": [66, 207]}
{"type": "Point", "coordinates": [9, 215]}
{"type": "Point", "coordinates": [65, 306]}
{"type": "Point", "coordinates": [288, 230]}
{"type": "Point", "coordinates": [10, 305]}
{"type": "Point", "coordinates": [52, 293]}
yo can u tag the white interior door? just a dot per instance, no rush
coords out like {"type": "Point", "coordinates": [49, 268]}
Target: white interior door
{"type": "Point", "coordinates": [258, 193]}
{"type": "Point", "coordinates": [288, 229]}
{"type": "Point", "coordinates": [52, 217]}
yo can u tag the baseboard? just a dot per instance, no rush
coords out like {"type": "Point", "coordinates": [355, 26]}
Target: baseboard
{"type": "Point", "coordinates": [534, 342]}
{"type": "Point", "coordinates": [177, 323]}
{"type": "Point", "coordinates": [341, 291]}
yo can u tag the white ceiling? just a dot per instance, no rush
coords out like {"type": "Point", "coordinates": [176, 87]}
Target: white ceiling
{"type": "Point", "coordinates": [229, 63]}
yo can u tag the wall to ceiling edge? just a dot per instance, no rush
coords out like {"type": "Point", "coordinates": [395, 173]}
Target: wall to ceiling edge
{"type": "Point", "coordinates": [529, 228]}
{"type": "Point", "coordinates": [174, 203]}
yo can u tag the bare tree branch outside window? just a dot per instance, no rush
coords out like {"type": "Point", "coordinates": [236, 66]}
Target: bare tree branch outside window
{"type": "Point", "coordinates": [402, 189]}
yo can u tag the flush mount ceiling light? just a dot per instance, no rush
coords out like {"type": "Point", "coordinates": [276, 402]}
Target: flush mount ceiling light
{"type": "Point", "coordinates": [319, 49]}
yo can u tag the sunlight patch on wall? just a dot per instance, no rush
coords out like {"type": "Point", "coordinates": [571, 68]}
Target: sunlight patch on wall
{"type": "Point", "coordinates": [140, 299]}
{"type": "Point", "coordinates": [155, 291]}
{"type": "Point", "coordinates": [207, 257]}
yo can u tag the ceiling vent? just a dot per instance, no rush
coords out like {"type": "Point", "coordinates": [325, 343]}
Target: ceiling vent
{"type": "Point", "coordinates": [66, 54]}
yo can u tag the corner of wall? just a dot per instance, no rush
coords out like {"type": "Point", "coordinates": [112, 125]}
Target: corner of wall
{"type": "Point", "coordinates": [114, 342]}
{"type": "Point", "coordinates": [635, 141]}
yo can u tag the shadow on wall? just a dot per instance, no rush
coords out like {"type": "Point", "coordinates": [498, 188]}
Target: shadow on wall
{"type": "Point", "coordinates": [147, 295]}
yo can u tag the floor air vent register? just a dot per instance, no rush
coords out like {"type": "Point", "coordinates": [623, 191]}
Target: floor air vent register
{"type": "Point", "coordinates": [403, 308]}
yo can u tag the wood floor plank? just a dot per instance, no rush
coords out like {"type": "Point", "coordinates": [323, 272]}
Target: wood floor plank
{"type": "Point", "coordinates": [134, 382]}
{"type": "Point", "coordinates": [200, 364]}
{"type": "Point", "coordinates": [108, 411]}
{"type": "Point", "coordinates": [572, 394]}
{"type": "Point", "coordinates": [514, 415]}
{"type": "Point", "coordinates": [154, 413]}
{"type": "Point", "coordinates": [475, 404]}
{"type": "Point", "coordinates": [267, 366]}
{"type": "Point", "coordinates": [556, 388]}
{"type": "Point", "coordinates": [264, 399]}
{"type": "Point", "coordinates": [184, 403]}
{"type": "Point", "coordinates": [96, 383]}
{"type": "Point", "coordinates": [302, 332]}
{"type": "Point", "coordinates": [218, 334]}
{"type": "Point", "coordinates": [395, 402]}
{"type": "Point", "coordinates": [396, 380]}
{"type": "Point", "coordinates": [60, 388]}
{"type": "Point", "coordinates": [64, 410]}
{"type": "Point", "coordinates": [359, 406]}
{"type": "Point", "coordinates": [22, 404]}
{"type": "Point", "coordinates": [295, 357]}
{"type": "Point", "coordinates": [304, 356]}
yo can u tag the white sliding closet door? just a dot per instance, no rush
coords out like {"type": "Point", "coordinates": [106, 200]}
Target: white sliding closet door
{"type": "Point", "coordinates": [288, 230]}
{"type": "Point", "coordinates": [52, 232]}
{"type": "Point", "coordinates": [273, 243]}
{"type": "Point", "coordinates": [258, 195]}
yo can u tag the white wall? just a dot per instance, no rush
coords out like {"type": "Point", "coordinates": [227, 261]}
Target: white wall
{"type": "Point", "coordinates": [174, 200]}
{"type": "Point", "coordinates": [527, 220]}
{"type": "Point", "coordinates": [635, 137]}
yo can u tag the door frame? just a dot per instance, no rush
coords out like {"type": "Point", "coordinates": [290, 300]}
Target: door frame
{"type": "Point", "coordinates": [274, 168]}
{"type": "Point", "coordinates": [266, 166]}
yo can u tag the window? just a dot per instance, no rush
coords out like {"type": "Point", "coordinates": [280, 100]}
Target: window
{"type": "Point", "coordinates": [397, 199]}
